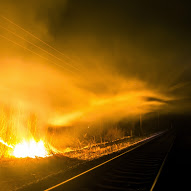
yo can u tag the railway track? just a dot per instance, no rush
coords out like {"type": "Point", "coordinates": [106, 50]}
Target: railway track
{"type": "Point", "coordinates": [135, 169]}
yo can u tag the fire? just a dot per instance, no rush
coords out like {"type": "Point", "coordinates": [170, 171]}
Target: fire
{"type": "Point", "coordinates": [4, 143]}
{"type": "Point", "coordinates": [30, 149]}
{"type": "Point", "coordinates": [19, 134]}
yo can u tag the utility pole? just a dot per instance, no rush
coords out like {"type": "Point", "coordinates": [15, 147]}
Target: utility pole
{"type": "Point", "coordinates": [141, 128]}
{"type": "Point", "coordinates": [158, 120]}
{"type": "Point", "coordinates": [132, 128]}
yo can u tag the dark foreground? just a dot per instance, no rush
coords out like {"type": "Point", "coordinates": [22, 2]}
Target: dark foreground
{"type": "Point", "coordinates": [135, 170]}
{"type": "Point", "coordinates": [176, 174]}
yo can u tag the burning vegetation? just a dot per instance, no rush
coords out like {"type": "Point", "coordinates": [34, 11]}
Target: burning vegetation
{"type": "Point", "coordinates": [19, 136]}
{"type": "Point", "coordinates": [119, 75]}
{"type": "Point", "coordinates": [52, 103]}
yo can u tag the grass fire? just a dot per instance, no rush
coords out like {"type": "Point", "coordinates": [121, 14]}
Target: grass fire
{"type": "Point", "coordinates": [24, 149]}
{"type": "Point", "coordinates": [81, 80]}
{"type": "Point", "coordinates": [16, 143]}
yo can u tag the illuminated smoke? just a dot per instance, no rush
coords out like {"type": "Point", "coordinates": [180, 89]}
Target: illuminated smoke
{"type": "Point", "coordinates": [101, 79]}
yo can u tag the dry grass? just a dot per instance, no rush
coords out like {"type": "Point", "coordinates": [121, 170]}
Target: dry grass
{"type": "Point", "coordinates": [97, 150]}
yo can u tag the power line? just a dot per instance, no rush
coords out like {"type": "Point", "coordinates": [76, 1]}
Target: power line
{"type": "Point", "coordinates": [29, 33]}
{"type": "Point", "coordinates": [33, 52]}
{"type": "Point", "coordinates": [38, 47]}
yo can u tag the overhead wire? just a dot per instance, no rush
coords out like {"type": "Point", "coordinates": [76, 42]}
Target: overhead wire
{"type": "Point", "coordinates": [4, 37]}
{"type": "Point", "coordinates": [35, 37]}
{"type": "Point", "coordinates": [42, 49]}
{"type": "Point", "coordinates": [38, 47]}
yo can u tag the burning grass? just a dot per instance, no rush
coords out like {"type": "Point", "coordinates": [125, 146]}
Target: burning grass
{"type": "Point", "coordinates": [94, 151]}
{"type": "Point", "coordinates": [20, 138]}
{"type": "Point", "coordinates": [19, 135]}
{"type": "Point", "coordinates": [30, 149]}
{"type": "Point", "coordinates": [30, 153]}
{"type": "Point", "coordinates": [24, 149]}
{"type": "Point", "coordinates": [16, 173]}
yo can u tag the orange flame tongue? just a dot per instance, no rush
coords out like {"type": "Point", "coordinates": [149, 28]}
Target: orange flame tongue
{"type": "Point", "coordinates": [30, 149]}
{"type": "Point", "coordinates": [6, 144]}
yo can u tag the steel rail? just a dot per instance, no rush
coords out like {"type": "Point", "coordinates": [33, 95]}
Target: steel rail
{"type": "Point", "coordinates": [74, 177]}
{"type": "Point", "coordinates": [160, 170]}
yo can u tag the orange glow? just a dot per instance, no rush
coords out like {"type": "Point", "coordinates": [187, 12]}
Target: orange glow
{"type": "Point", "coordinates": [30, 149]}
{"type": "Point", "coordinates": [111, 107]}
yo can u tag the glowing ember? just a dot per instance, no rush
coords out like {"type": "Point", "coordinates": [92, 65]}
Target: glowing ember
{"type": "Point", "coordinates": [30, 149]}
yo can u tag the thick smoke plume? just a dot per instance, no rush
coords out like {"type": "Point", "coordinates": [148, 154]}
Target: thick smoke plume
{"type": "Point", "coordinates": [62, 68]}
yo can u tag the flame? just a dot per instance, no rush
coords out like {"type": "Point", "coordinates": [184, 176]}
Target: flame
{"type": "Point", "coordinates": [30, 149]}
{"type": "Point", "coordinates": [4, 143]}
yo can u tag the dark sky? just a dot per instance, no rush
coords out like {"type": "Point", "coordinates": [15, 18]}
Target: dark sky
{"type": "Point", "coordinates": [149, 35]}
{"type": "Point", "coordinates": [120, 46]}
{"type": "Point", "coordinates": [145, 39]}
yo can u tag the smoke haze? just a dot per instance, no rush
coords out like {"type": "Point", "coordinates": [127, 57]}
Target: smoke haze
{"type": "Point", "coordinates": [119, 59]}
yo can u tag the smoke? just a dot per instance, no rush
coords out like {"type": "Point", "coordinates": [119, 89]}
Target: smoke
{"type": "Point", "coordinates": [113, 67]}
